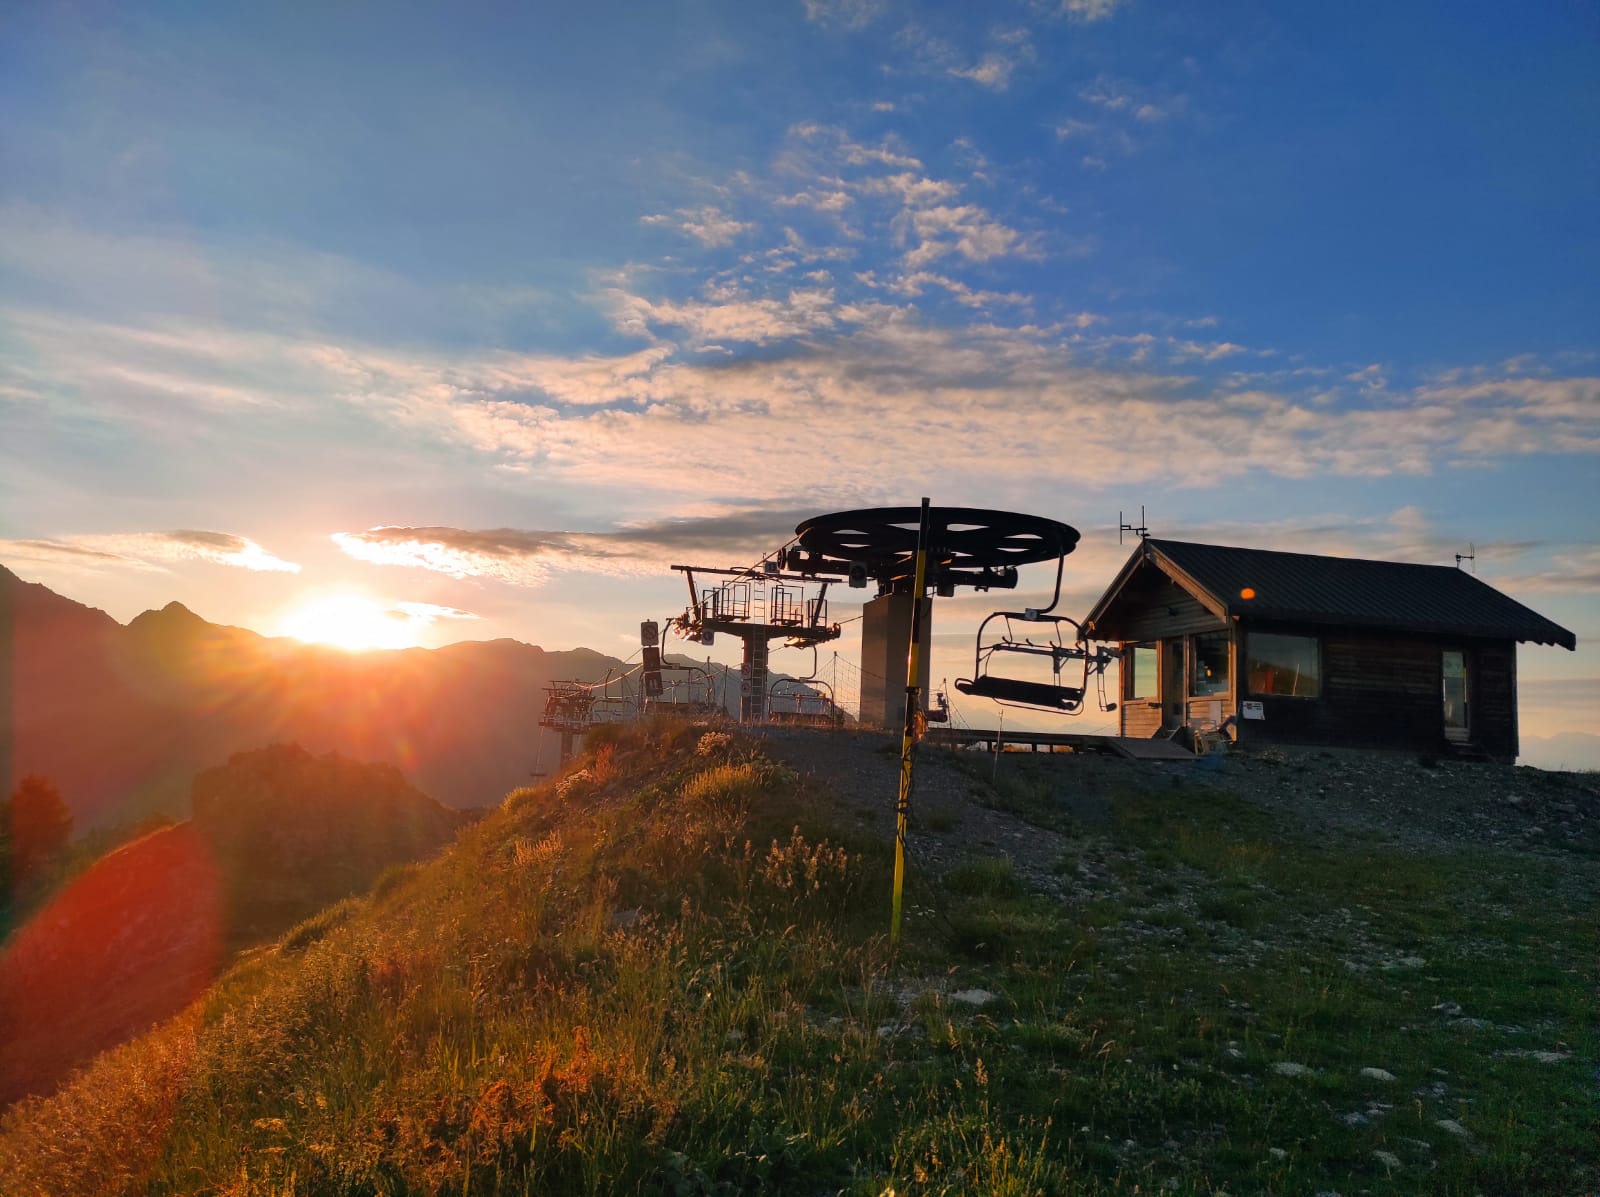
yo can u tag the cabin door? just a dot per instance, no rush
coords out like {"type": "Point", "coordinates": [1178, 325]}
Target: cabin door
{"type": "Point", "coordinates": [1457, 708]}
{"type": "Point", "coordinates": [1174, 691]}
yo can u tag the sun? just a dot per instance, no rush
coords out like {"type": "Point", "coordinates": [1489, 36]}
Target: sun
{"type": "Point", "coordinates": [349, 621]}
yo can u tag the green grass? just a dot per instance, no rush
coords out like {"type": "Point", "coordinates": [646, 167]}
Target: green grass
{"type": "Point", "coordinates": [673, 979]}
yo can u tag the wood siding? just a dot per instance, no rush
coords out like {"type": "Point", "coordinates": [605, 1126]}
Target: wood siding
{"type": "Point", "coordinates": [1493, 670]}
{"type": "Point", "coordinates": [1385, 692]}
{"type": "Point", "coordinates": [1141, 718]}
{"type": "Point", "coordinates": [1154, 607]}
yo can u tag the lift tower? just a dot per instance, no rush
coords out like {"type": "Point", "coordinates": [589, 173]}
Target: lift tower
{"type": "Point", "coordinates": [758, 605]}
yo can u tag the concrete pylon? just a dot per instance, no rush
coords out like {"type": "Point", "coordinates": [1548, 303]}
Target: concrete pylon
{"type": "Point", "coordinates": [885, 645]}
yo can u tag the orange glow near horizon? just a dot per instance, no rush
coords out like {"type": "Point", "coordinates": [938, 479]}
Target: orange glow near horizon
{"type": "Point", "coordinates": [350, 621]}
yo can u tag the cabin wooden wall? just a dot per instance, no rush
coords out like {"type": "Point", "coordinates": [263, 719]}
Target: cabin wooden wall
{"type": "Point", "coordinates": [1494, 709]}
{"type": "Point", "coordinates": [1154, 607]}
{"type": "Point", "coordinates": [1140, 718]}
{"type": "Point", "coordinates": [1143, 717]}
{"type": "Point", "coordinates": [1383, 691]}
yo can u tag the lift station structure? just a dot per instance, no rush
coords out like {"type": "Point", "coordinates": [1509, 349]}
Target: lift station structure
{"type": "Point", "coordinates": [757, 605]}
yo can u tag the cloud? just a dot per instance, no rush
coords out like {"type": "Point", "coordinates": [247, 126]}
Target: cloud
{"type": "Point", "coordinates": [834, 201]}
{"type": "Point", "coordinates": [888, 152]}
{"type": "Point", "coordinates": [745, 320]}
{"type": "Point", "coordinates": [522, 557]}
{"type": "Point", "coordinates": [966, 229]}
{"type": "Point", "coordinates": [912, 190]}
{"type": "Point", "coordinates": [710, 226]}
{"type": "Point", "coordinates": [843, 14]}
{"type": "Point", "coordinates": [144, 550]}
{"type": "Point", "coordinates": [869, 395]}
{"type": "Point", "coordinates": [1089, 11]}
{"type": "Point", "coordinates": [914, 283]}
{"type": "Point", "coordinates": [995, 68]}
{"type": "Point", "coordinates": [1216, 351]}
{"type": "Point", "coordinates": [431, 612]}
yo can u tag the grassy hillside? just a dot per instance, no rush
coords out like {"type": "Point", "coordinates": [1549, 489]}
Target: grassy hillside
{"type": "Point", "coordinates": [666, 974]}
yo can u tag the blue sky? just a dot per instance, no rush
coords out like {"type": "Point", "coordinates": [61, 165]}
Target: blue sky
{"type": "Point", "coordinates": [566, 293]}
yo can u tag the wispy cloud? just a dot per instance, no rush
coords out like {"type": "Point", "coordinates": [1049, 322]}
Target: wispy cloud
{"type": "Point", "coordinates": [523, 557]}
{"type": "Point", "coordinates": [432, 612]}
{"type": "Point", "coordinates": [890, 151]}
{"type": "Point", "coordinates": [145, 550]}
{"type": "Point", "coordinates": [708, 225]}
{"type": "Point", "coordinates": [1089, 11]}
{"type": "Point", "coordinates": [843, 14]}
{"type": "Point", "coordinates": [994, 69]}
{"type": "Point", "coordinates": [914, 283]}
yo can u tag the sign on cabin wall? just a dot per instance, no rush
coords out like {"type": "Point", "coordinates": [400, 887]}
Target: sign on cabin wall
{"type": "Point", "coordinates": [1252, 710]}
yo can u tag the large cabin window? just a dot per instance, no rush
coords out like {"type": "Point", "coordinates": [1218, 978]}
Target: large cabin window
{"type": "Point", "coordinates": [1210, 675]}
{"type": "Point", "coordinates": [1284, 665]}
{"type": "Point", "coordinates": [1142, 673]}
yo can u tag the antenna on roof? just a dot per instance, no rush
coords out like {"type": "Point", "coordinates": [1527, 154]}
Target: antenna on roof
{"type": "Point", "coordinates": [1124, 526]}
{"type": "Point", "coordinates": [1470, 555]}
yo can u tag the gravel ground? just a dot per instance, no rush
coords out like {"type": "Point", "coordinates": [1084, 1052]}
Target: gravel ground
{"type": "Point", "coordinates": [1387, 799]}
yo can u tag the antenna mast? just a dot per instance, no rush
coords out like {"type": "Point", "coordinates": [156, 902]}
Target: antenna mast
{"type": "Point", "coordinates": [1470, 555]}
{"type": "Point", "coordinates": [1123, 526]}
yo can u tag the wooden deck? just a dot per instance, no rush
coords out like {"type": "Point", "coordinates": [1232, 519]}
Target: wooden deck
{"type": "Point", "coordinates": [1123, 746]}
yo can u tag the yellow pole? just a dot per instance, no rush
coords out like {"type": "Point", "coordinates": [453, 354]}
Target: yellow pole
{"type": "Point", "coordinates": [908, 739]}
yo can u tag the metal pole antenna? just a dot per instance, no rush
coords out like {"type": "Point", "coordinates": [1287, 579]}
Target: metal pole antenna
{"type": "Point", "coordinates": [908, 740]}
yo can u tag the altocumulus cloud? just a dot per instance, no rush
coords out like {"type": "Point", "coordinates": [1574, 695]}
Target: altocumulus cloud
{"type": "Point", "coordinates": [145, 550]}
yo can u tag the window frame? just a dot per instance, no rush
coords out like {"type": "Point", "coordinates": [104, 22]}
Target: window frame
{"type": "Point", "coordinates": [1249, 660]}
{"type": "Point", "coordinates": [1131, 672]}
{"type": "Point", "coordinates": [1192, 671]}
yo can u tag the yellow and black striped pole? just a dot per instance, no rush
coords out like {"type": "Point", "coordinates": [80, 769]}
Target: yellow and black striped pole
{"type": "Point", "coordinates": [908, 740]}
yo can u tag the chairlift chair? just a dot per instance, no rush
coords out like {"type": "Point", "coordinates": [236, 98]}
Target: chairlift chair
{"type": "Point", "coordinates": [1064, 698]}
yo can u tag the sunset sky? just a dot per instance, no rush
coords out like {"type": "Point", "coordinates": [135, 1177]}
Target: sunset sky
{"type": "Point", "coordinates": [484, 315]}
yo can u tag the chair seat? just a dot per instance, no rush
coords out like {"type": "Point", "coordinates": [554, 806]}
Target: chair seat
{"type": "Point", "coordinates": [1033, 694]}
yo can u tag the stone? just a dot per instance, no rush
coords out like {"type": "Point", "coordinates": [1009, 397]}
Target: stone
{"type": "Point", "coordinates": [972, 997]}
{"type": "Point", "coordinates": [1289, 1068]}
{"type": "Point", "coordinates": [1388, 1159]}
{"type": "Point", "coordinates": [1378, 1074]}
{"type": "Point", "coordinates": [1277, 1153]}
{"type": "Point", "coordinates": [1454, 1127]}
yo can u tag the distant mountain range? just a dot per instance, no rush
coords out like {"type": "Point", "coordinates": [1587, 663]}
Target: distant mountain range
{"type": "Point", "coordinates": [121, 718]}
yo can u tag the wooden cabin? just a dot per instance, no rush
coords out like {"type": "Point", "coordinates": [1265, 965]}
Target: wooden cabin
{"type": "Point", "coordinates": [1291, 648]}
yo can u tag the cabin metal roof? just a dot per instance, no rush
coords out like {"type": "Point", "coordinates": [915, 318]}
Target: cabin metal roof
{"type": "Point", "coordinates": [1336, 591]}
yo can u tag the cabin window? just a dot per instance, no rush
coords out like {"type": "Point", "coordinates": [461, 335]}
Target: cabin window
{"type": "Point", "coordinates": [1142, 673]}
{"type": "Point", "coordinates": [1210, 674]}
{"type": "Point", "coordinates": [1287, 665]}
